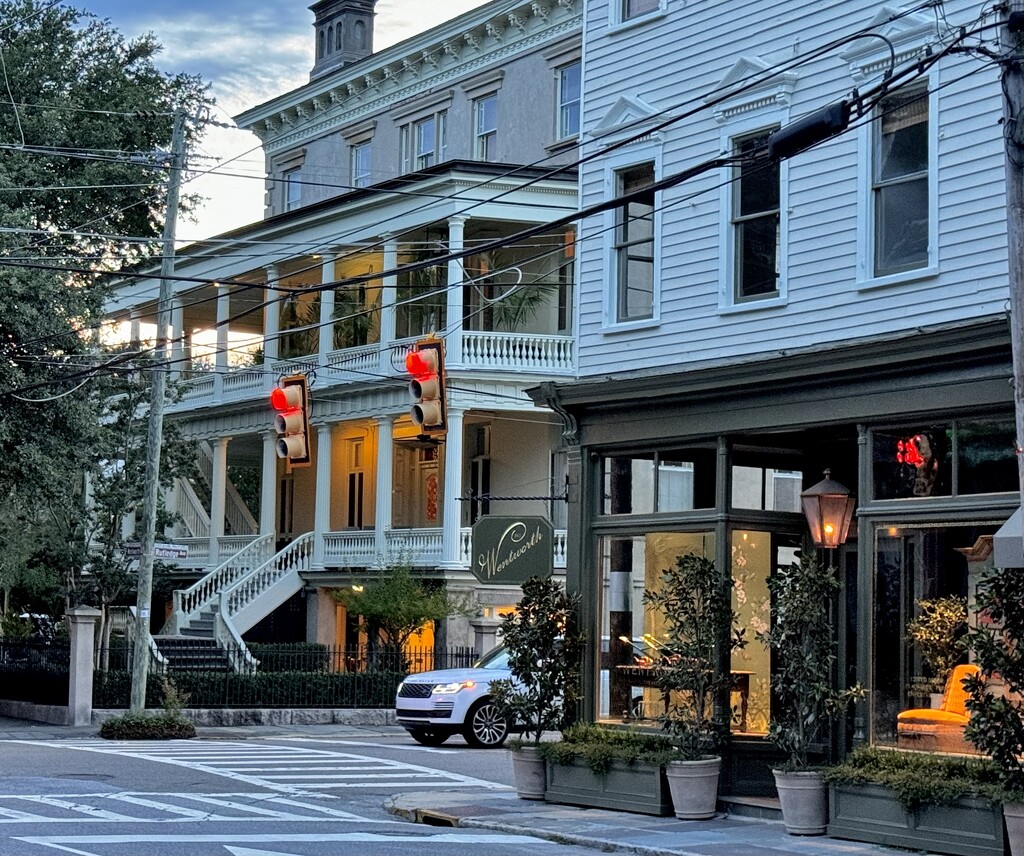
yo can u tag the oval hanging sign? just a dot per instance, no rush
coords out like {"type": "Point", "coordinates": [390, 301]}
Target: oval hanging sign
{"type": "Point", "coordinates": [510, 550]}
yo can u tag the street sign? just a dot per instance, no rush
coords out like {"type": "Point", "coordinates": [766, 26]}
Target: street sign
{"type": "Point", "coordinates": [133, 550]}
{"type": "Point", "coordinates": [510, 550]}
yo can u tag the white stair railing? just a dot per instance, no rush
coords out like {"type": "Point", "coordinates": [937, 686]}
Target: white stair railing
{"type": "Point", "coordinates": [239, 518]}
{"type": "Point", "coordinates": [244, 594]}
{"type": "Point", "coordinates": [190, 508]}
{"type": "Point", "coordinates": [190, 602]}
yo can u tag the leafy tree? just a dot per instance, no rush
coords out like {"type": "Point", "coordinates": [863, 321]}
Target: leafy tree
{"type": "Point", "coordinates": [79, 166]}
{"type": "Point", "coordinates": [397, 605]}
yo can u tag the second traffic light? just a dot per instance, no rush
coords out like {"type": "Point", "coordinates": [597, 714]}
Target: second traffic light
{"type": "Point", "coordinates": [291, 401]}
{"type": "Point", "coordinates": [425, 362]}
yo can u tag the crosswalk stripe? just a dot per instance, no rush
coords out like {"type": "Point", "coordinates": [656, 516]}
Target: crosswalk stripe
{"type": "Point", "coordinates": [82, 808]}
{"type": "Point", "coordinates": [181, 811]}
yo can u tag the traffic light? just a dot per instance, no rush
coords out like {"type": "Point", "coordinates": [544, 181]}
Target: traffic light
{"type": "Point", "coordinates": [291, 401]}
{"type": "Point", "coordinates": [425, 362]}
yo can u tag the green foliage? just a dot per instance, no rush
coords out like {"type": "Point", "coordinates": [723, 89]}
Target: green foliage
{"type": "Point", "coordinates": [938, 633]}
{"type": "Point", "coordinates": [995, 704]}
{"type": "Point", "coordinates": [291, 656]}
{"type": "Point", "coordinates": [919, 779]}
{"type": "Point", "coordinates": [695, 602]}
{"type": "Point", "coordinates": [802, 639]}
{"type": "Point", "coordinates": [144, 726]}
{"type": "Point", "coordinates": [545, 647]}
{"type": "Point", "coordinates": [598, 746]}
{"type": "Point", "coordinates": [13, 628]}
{"type": "Point", "coordinates": [397, 604]}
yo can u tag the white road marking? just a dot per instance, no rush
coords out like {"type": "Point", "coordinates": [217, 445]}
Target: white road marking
{"type": "Point", "coordinates": [466, 838]}
{"type": "Point", "coordinates": [263, 765]}
{"type": "Point", "coordinates": [85, 809]}
{"type": "Point", "coordinates": [403, 746]}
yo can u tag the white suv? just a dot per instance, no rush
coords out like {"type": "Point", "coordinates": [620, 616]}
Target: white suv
{"type": "Point", "coordinates": [432, 706]}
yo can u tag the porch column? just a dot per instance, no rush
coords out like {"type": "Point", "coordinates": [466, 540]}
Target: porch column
{"type": "Point", "coordinates": [456, 275]}
{"type": "Point", "coordinates": [220, 360]}
{"type": "Point", "coordinates": [134, 329]}
{"type": "Point", "coordinates": [322, 509]}
{"type": "Point", "coordinates": [388, 292]}
{"type": "Point", "coordinates": [271, 318]}
{"type": "Point", "coordinates": [177, 338]}
{"type": "Point", "coordinates": [218, 492]}
{"type": "Point", "coordinates": [326, 309]}
{"type": "Point", "coordinates": [268, 485]}
{"type": "Point", "coordinates": [385, 480]}
{"type": "Point", "coordinates": [452, 491]}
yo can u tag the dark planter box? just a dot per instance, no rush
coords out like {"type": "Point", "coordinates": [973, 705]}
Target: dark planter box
{"type": "Point", "coordinates": [970, 827]}
{"type": "Point", "coordinates": [638, 788]}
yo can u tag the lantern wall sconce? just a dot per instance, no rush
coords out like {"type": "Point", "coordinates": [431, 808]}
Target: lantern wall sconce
{"type": "Point", "coordinates": [828, 507]}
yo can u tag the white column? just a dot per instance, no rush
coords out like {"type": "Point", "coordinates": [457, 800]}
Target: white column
{"type": "Point", "coordinates": [453, 321]}
{"type": "Point", "coordinates": [388, 292]}
{"type": "Point", "coordinates": [271, 317]}
{"type": "Point", "coordinates": [218, 493]}
{"type": "Point", "coordinates": [452, 490]}
{"type": "Point", "coordinates": [322, 510]}
{"type": "Point", "coordinates": [135, 329]}
{"type": "Point", "coordinates": [220, 360]}
{"type": "Point", "coordinates": [268, 485]}
{"type": "Point", "coordinates": [326, 309]}
{"type": "Point", "coordinates": [385, 483]}
{"type": "Point", "coordinates": [178, 365]}
{"type": "Point", "coordinates": [82, 633]}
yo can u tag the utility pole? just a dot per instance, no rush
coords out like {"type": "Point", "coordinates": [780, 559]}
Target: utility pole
{"type": "Point", "coordinates": [154, 433]}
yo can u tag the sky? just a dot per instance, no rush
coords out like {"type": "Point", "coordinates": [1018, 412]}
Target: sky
{"type": "Point", "coordinates": [248, 51]}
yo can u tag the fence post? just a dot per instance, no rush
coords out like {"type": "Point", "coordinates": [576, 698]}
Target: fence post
{"type": "Point", "coordinates": [82, 626]}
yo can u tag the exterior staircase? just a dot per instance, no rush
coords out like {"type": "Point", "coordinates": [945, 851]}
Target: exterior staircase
{"type": "Point", "coordinates": [209, 617]}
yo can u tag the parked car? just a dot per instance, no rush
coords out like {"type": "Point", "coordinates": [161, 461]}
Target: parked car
{"type": "Point", "coordinates": [432, 706]}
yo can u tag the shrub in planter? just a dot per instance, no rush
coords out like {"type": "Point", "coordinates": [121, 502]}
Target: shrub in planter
{"type": "Point", "coordinates": [996, 704]}
{"type": "Point", "coordinates": [544, 646]}
{"type": "Point", "coordinates": [597, 747]}
{"type": "Point", "coordinates": [804, 699]}
{"type": "Point", "coordinates": [694, 601]}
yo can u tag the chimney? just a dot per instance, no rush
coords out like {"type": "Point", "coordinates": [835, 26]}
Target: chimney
{"type": "Point", "coordinates": [344, 33]}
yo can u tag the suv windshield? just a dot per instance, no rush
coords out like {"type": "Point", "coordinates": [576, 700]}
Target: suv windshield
{"type": "Point", "coordinates": [496, 658]}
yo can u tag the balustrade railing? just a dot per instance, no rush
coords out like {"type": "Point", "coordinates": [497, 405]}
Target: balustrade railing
{"type": "Point", "coordinates": [296, 557]}
{"type": "Point", "coordinates": [519, 351]}
{"type": "Point", "coordinates": [343, 549]}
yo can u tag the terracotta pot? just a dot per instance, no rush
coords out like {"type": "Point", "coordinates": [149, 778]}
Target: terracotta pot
{"type": "Point", "coordinates": [530, 772]}
{"type": "Point", "coordinates": [1013, 817]}
{"type": "Point", "coordinates": [694, 787]}
{"type": "Point", "coordinates": [804, 800]}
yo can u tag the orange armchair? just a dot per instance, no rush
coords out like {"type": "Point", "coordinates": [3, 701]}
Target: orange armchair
{"type": "Point", "coordinates": [939, 730]}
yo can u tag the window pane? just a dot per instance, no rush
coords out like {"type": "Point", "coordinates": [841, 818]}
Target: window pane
{"type": "Point", "coordinates": [635, 246]}
{"type": "Point", "coordinates": [901, 221]}
{"type": "Point", "coordinates": [628, 647]}
{"type": "Point", "coordinates": [912, 462]}
{"type": "Point", "coordinates": [628, 485]}
{"type": "Point", "coordinates": [766, 489]}
{"type": "Point", "coordinates": [986, 458]}
{"type": "Point", "coordinates": [639, 293]}
{"type": "Point", "coordinates": [758, 185]}
{"type": "Point", "coordinates": [903, 136]}
{"type": "Point", "coordinates": [632, 8]}
{"type": "Point", "coordinates": [757, 256]}
{"type": "Point", "coordinates": [686, 479]}
{"type": "Point", "coordinates": [569, 101]}
{"type": "Point", "coordinates": [912, 565]}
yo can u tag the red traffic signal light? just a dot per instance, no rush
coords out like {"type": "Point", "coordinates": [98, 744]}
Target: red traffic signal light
{"type": "Point", "coordinates": [291, 401]}
{"type": "Point", "coordinates": [426, 365]}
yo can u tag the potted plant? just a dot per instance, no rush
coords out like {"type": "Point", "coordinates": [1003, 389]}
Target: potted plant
{"type": "Point", "coordinates": [804, 698]}
{"type": "Point", "coordinates": [938, 634]}
{"type": "Point", "coordinates": [544, 646]}
{"type": "Point", "coordinates": [996, 724]}
{"type": "Point", "coordinates": [694, 603]}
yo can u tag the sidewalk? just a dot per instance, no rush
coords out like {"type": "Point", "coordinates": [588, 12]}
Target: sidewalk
{"type": "Point", "coordinates": [616, 831]}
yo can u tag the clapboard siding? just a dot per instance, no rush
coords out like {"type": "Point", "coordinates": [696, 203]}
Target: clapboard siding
{"type": "Point", "coordinates": [672, 63]}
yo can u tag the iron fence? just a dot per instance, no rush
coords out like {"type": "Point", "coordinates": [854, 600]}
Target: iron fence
{"type": "Point", "coordinates": [36, 672]}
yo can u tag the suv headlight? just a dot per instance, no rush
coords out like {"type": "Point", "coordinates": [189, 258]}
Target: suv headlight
{"type": "Point", "coordinates": [454, 687]}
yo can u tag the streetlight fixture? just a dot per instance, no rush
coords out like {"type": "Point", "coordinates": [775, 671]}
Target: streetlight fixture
{"type": "Point", "coordinates": [828, 507]}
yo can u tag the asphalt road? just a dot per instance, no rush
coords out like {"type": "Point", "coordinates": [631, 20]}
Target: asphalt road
{"type": "Point", "coordinates": [291, 796]}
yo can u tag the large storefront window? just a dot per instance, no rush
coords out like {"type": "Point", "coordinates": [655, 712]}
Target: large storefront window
{"type": "Point", "coordinates": [915, 564]}
{"type": "Point", "coordinates": [958, 459]}
{"type": "Point", "coordinates": [630, 634]}
{"type": "Point", "coordinates": [649, 482]}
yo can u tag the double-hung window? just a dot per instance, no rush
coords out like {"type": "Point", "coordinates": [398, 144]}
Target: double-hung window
{"type": "Point", "coordinates": [899, 185]}
{"type": "Point", "coordinates": [634, 245]}
{"type": "Point", "coordinates": [361, 165]}
{"type": "Point", "coordinates": [569, 92]}
{"type": "Point", "coordinates": [755, 220]}
{"type": "Point", "coordinates": [636, 8]}
{"type": "Point", "coordinates": [425, 142]}
{"type": "Point", "coordinates": [486, 128]}
{"type": "Point", "coordinates": [292, 189]}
